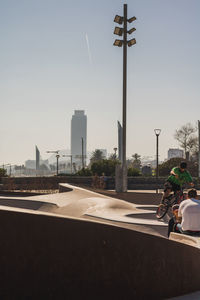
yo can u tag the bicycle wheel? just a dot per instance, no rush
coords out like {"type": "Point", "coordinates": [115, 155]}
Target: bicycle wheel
{"type": "Point", "coordinates": [161, 211]}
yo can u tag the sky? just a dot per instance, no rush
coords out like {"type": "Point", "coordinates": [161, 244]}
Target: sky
{"type": "Point", "coordinates": [57, 56]}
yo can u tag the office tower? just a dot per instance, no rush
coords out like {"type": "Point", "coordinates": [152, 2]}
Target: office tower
{"type": "Point", "coordinates": [79, 138]}
{"type": "Point", "coordinates": [37, 152]}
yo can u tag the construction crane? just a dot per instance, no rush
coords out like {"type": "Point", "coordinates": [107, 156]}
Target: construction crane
{"type": "Point", "coordinates": [57, 157]}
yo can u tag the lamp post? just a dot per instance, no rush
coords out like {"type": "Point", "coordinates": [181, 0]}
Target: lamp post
{"type": "Point", "coordinates": [123, 31]}
{"type": "Point", "coordinates": [157, 133]}
{"type": "Point", "coordinates": [115, 154]}
{"type": "Point", "coordinates": [57, 158]}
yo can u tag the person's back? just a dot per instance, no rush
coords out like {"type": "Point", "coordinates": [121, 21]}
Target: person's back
{"type": "Point", "coordinates": [190, 211]}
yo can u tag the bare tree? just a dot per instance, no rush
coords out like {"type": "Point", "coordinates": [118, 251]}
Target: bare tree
{"type": "Point", "coordinates": [186, 138]}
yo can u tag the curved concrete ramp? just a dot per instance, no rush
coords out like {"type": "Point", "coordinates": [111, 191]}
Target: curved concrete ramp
{"type": "Point", "coordinates": [185, 239]}
{"type": "Point", "coordinates": [84, 202]}
{"type": "Point", "coordinates": [62, 255]}
{"type": "Point", "coordinates": [51, 257]}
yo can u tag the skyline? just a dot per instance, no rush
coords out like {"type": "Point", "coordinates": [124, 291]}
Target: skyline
{"type": "Point", "coordinates": [59, 57]}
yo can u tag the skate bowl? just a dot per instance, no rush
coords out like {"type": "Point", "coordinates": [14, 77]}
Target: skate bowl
{"type": "Point", "coordinates": [45, 255]}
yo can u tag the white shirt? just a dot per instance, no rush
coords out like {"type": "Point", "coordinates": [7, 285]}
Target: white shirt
{"type": "Point", "coordinates": [189, 210]}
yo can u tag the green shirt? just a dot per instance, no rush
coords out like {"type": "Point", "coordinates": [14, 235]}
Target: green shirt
{"type": "Point", "coordinates": [183, 177]}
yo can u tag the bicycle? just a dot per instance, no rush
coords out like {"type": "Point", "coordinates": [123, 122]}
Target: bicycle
{"type": "Point", "coordinates": [168, 202]}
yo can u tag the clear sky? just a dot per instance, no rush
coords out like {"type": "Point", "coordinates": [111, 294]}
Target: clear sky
{"type": "Point", "coordinates": [58, 55]}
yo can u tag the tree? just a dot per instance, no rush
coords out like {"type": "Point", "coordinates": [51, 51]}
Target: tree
{"type": "Point", "coordinates": [165, 167]}
{"type": "Point", "coordinates": [112, 156]}
{"type": "Point", "coordinates": [136, 161]}
{"type": "Point", "coordinates": [97, 155]}
{"type": "Point", "coordinates": [3, 172]}
{"type": "Point", "coordinates": [106, 166]}
{"type": "Point", "coordinates": [186, 138]}
{"type": "Point", "coordinates": [133, 172]}
{"type": "Point", "coordinates": [84, 172]}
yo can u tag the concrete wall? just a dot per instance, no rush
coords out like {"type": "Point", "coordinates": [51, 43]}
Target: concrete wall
{"type": "Point", "coordinates": [44, 257]}
{"type": "Point", "coordinates": [35, 183]}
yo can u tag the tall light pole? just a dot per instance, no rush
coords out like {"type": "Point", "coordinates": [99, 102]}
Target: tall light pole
{"type": "Point", "coordinates": [115, 149]}
{"type": "Point", "coordinates": [199, 150]}
{"type": "Point", "coordinates": [57, 158]}
{"type": "Point", "coordinates": [123, 31]}
{"type": "Point", "coordinates": [157, 133]}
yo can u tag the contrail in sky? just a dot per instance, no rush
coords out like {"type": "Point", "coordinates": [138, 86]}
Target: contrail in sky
{"type": "Point", "coordinates": [88, 46]}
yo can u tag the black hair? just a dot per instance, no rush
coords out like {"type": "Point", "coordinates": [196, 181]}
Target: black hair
{"type": "Point", "coordinates": [183, 165]}
{"type": "Point", "coordinates": [192, 193]}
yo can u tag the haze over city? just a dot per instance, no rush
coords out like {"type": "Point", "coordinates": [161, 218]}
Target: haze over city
{"type": "Point", "coordinates": [58, 56]}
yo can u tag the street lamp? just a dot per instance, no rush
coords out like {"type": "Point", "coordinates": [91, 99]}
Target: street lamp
{"type": "Point", "coordinates": [57, 158]}
{"type": "Point", "coordinates": [115, 149]}
{"type": "Point", "coordinates": [124, 43]}
{"type": "Point", "coordinates": [157, 133]}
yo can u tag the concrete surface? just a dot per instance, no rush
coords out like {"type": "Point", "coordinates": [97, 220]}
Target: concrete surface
{"type": "Point", "coordinates": [82, 245]}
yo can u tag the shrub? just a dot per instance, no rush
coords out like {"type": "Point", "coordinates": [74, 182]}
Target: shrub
{"type": "Point", "coordinates": [84, 172]}
{"type": "Point", "coordinates": [106, 166]}
{"type": "Point", "coordinates": [133, 172]}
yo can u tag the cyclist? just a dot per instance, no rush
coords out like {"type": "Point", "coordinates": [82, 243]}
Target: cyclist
{"type": "Point", "coordinates": [178, 176]}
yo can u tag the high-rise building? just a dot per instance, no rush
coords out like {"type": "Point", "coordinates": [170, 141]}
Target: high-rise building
{"type": "Point", "coordinates": [175, 153]}
{"type": "Point", "coordinates": [37, 154]}
{"type": "Point", "coordinates": [79, 137]}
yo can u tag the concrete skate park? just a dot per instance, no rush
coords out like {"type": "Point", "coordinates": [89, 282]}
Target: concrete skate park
{"type": "Point", "coordinates": [80, 244]}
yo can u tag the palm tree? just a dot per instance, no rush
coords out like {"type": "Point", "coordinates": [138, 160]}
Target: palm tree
{"type": "Point", "coordinates": [136, 161]}
{"type": "Point", "coordinates": [97, 155]}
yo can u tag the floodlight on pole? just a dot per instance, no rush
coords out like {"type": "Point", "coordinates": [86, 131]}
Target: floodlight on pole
{"type": "Point", "coordinates": [118, 43]}
{"type": "Point", "coordinates": [131, 42]}
{"type": "Point", "coordinates": [118, 31]}
{"type": "Point", "coordinates": [118, 19]}
{"type": "Point", "coordinates": [123, 177]}
{"type": "Point", "coordinates": [131, 19]}
{"type": "Point", "coordinates": [131, 30]}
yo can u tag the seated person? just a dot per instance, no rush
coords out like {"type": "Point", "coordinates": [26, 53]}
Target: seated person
{"type": "Point", "coordinates": [174, 220]}
{"type": "Point", "coordinates": [189, 214]}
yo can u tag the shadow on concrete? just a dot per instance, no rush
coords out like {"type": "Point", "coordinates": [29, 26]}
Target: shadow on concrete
{"type": "Point", "coordinates": [27, 204]}
{"type": "Point", "coordinates": [151, 216]}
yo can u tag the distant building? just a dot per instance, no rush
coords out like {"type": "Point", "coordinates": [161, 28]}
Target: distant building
{"type": "Point", "coordinates": [30, 164]}
{"type": "Point", "coordinates": [104, 152]}
{"type": "Point", "coordinates": [173, 152]}
{"type": "Point", "coordinates": [146, 170]}
{"type": "Point", "coordinates": [79, 137]}
{"type": "Point", "coordinates": [37, 154]}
